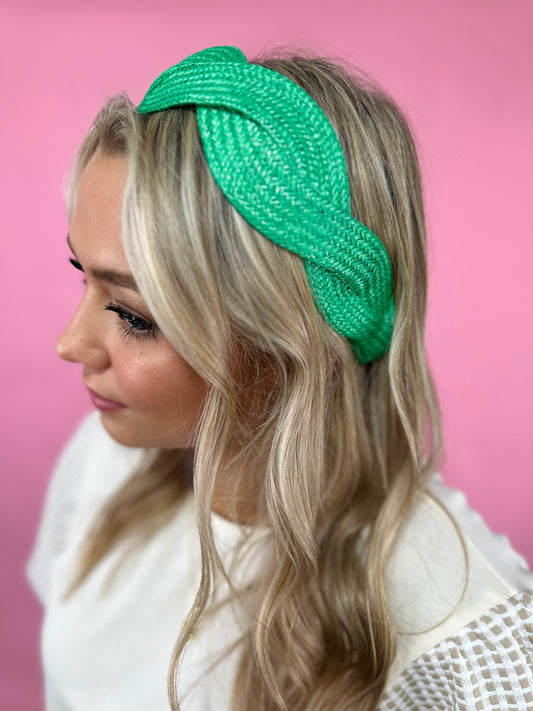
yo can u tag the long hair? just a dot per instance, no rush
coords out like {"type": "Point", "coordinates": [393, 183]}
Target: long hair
{"type": "Point", "coordinates": [334, 451]}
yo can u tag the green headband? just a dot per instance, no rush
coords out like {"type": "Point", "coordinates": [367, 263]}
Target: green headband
{"type": "Point", "coordinates": [276, 158]}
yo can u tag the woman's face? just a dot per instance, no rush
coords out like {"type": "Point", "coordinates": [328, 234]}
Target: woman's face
{"type": "Point", "coordinates": [126, 359]}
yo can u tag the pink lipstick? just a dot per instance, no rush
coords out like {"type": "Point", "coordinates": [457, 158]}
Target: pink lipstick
{"type": "Point", "coordinates": [102, 404]}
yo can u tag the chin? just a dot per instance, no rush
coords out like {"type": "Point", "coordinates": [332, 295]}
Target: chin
{"type": "Point", "coordinates": [129, 435]}
{"type": "Point", "coordinates": [124, 435]}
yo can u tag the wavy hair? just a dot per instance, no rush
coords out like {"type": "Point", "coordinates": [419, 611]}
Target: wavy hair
{"type": "Point", "coordinates": [333, 450]}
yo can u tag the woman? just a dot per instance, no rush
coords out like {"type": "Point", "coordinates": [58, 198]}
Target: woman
{"type": "Point", "coordinates": [253, 244]}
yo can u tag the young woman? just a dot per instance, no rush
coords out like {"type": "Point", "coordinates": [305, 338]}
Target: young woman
{"type": "Point", "coordinates": [254, 508]}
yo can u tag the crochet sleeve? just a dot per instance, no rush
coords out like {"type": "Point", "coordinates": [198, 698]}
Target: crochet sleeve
{"type": "Point", "coordinates": [63, 496]}
{"type": "Point", "coordinates": [486, 666]}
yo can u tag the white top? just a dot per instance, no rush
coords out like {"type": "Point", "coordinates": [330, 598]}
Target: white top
{"type": "Point", "coordinates": [111, 652]}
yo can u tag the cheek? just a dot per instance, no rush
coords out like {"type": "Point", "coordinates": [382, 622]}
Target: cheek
{"type": "Point", "coordinates": [163, 396]}
{"type": "Point", "coordinates": [134, 372]}
{"type": "Point", "coordinates": [159, 382]}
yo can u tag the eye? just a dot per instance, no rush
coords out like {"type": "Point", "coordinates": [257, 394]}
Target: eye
{"type": "Point", "coordinates": [134, 326]}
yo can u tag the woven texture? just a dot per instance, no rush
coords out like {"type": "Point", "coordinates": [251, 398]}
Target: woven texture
{"type": "Point", "coordinates": [487, 666]}
{"type": "Point", "coordinates": [277, 159]}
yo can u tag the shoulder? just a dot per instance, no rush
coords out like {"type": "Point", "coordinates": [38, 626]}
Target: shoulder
{"type": "Point", "coordinates": [91, 462]}
{"type": "Point", "coordinates": [447, 570]}
{"type": "Point", "coordinates": [88, 468]}
{"type": "Point", "coordinates": [486, 665]}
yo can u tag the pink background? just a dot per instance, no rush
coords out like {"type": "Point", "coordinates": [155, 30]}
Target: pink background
{"type": "Point", "coordinates": [461, 70]}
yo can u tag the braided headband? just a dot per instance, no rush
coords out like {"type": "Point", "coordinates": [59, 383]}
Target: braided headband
{"type": "Point", "coordinates": [276, 158]}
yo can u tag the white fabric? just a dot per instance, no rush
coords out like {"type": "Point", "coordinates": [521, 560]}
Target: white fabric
{"type": "Point", "coordinates": [112, 652]}
{"type": "Point", "coordinates": [487, 665]}
{"type": "Point", "coordinates": [423, 594]}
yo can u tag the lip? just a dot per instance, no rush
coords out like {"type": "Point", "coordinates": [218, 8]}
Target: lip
{"type": "Point", "coordinates": [101, 403]}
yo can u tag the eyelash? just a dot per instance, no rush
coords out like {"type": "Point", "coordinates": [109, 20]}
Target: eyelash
{"type": "Point", "coordinates": [138, 328]}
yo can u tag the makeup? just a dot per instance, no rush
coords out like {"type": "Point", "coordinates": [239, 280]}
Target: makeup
{"type": "Point", "coordinates": [102, 404]}
{"type": "Point", "coordinates": [145, 393]}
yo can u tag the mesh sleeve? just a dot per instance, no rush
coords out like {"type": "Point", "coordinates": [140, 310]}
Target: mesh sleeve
{"type": "Point", "coordinates": [486, 666]}
{"type": "Point", "coordinates": [62, 498]}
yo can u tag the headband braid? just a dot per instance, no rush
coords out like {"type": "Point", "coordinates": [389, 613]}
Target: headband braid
{"type": "Point", "coordinates": [276, 158]}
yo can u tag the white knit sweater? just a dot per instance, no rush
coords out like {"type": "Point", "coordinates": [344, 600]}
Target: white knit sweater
{"type": "Point", "coordinates": [111, 651]}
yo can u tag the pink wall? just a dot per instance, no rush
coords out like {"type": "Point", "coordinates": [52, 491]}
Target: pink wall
{"type": "Point", "coordinates": [462, 71]}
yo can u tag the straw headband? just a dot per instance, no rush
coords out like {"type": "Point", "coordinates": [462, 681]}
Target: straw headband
{"type": "Point", "coordinates": [276, 158]}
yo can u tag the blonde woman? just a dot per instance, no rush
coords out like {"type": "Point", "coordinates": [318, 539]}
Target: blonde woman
{"type": "Point", "coordinates": [252, 515]}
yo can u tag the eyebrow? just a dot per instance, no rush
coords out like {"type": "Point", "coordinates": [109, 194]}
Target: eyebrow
{"type": "Point", "coordinates": [122, 279]}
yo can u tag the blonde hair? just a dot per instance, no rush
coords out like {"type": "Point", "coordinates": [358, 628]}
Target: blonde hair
{"type": "Point", "coordinates": [337, 450]}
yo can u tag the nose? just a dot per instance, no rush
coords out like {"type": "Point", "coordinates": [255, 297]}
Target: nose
{"type": "Point", "coordinates": [82, 342]}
